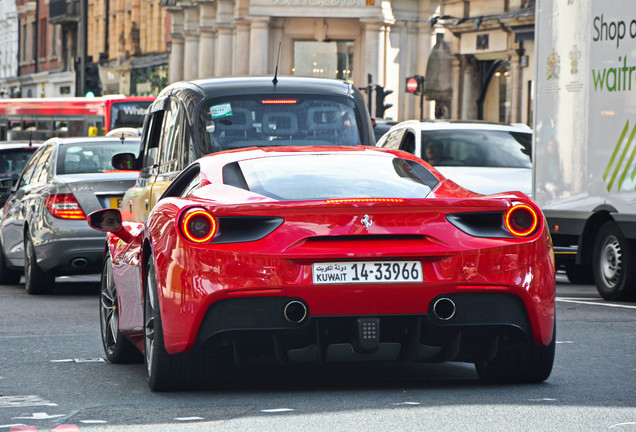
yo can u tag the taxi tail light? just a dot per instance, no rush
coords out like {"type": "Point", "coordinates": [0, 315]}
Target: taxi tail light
{"type": "Point", "coordinates": [521, 220]}
{"type": "Point", "coordinates": [197, 226]}
{"type": "Point", "coordinates": [64, 206]}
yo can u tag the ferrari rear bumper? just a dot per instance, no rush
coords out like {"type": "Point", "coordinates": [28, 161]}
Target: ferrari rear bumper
{"type": "Point", "coordinates": [480, 325]}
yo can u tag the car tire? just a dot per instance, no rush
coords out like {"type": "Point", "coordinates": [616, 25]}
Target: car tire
{"type": "Point", "coordinates": [529, 364]}
{"type": "Point", "coordinates": [614, 269]}
{"type": "Point", "coordinates": [165, 372]}
{"type": "Point", "coordinates": [7, 276]}
{"type": "Point", "coordinates": [117, 347]}
{"type": "Point", "coordinates": [36, 281]}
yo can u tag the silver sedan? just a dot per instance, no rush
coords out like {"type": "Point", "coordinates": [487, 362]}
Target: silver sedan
{"type": "Point", "coordinates": [43, 228]}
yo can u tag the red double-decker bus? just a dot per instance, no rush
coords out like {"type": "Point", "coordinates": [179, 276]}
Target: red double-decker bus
{"type": "Point", "coordinates": [43, 118]}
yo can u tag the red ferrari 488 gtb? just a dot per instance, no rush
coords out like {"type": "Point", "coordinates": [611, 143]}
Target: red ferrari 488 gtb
{"type": "Point", "coordinates": [322, 254]}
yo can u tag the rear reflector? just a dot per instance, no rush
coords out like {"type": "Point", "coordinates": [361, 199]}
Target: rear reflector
{"type": "Point", "coordinates": [64, 206]}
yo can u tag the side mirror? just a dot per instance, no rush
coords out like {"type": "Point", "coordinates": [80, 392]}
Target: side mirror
{"type": "Point", "coordinates": [109, 220]}
{"type": "Point", "coordinates": [123, 161]}
{"type": "Point", "coordinates": [6, 184]}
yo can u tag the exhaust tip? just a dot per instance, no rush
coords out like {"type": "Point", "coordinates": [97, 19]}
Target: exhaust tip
{"type": "Point", "coordinates": [79, 262]}
{"type": "Point", "coordinates": [444, 309]}
{"type": "Point", "coordinates": [295, 311]}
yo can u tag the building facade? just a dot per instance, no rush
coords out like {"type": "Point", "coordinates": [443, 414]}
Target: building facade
{"type": "Point", "coordinates": [8, 49]}
{"type": "Point", "coordinates": [492, 45]}
{"type": "Point", "coordinates": [128, 39]}
{"type": "Point", "coordinates": [476, 56]}
{"type": "Point", "coordinates": [369, 42]}
{"type": "Point", "coordinates": [40, 70]}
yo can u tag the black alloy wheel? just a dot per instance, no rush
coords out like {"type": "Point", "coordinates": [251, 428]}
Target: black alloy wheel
{"type": "Point", "coordinates": [36, 281]}
{"type": "Point", "coordinates": [117, 347]}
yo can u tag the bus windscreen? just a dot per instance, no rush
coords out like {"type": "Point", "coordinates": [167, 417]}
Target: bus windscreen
{"type": "Point", "coordinates": [128, 114]}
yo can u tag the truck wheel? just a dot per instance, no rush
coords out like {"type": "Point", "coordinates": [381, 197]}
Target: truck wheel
{"type": "Point", "coordinates": [614, 266]}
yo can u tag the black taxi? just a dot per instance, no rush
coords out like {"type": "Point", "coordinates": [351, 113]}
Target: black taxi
{"type": "Point", "coordinates": [194, 118]}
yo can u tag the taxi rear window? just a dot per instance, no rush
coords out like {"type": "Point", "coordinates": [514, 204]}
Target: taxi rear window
{"type": "Point", "coordinates": [276, 120]}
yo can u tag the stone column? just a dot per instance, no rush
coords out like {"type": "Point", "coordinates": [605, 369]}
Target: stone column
{"type": "Point", "coordinates": [190, 56]}
{"type": "Point", "coordinates": [224, 38]}
{"type": "Point", "coordinates": [372, 46]}
{"type": "Point", "coordinates": [516, 83]}
{"type": "Point", "coordinates": [223, 61]}
{"type": "Point", "coordinates": [424, 46]}
{"type": "Point", "coordinates": [206, 53]}
{"type": "Point", "coordinates": [241, 47]}
{"type": "Point", "coordinates": [176, 58]}
{"type": "Point", "coordinates": [409, 105]}
{"type": "Point", "coordinates": [457, 90]}
{"type": "Point", "coordinates": [176, 62]}
{"type": "Point", "coordinates": [191, 46]}
{"type": "Point", "coordinates": [470, 88]}
{"type": "Point", "coordinates": [207, 18]}
{"type": "Point", "coordinates": [259, 44]}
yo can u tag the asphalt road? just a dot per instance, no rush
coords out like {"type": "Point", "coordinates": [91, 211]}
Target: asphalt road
{"type": "Point", "coordinates": [53, 377]}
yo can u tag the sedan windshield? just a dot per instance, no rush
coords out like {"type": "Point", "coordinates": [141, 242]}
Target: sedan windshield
{"type": "Point", "coordinates": [327, 176]}
{"type": "Point", "coordinates": [91, 157]}
{"type": "Point", "coordinates": [276, 120]}
{"type": "Point", "coordinates": [477, 148]}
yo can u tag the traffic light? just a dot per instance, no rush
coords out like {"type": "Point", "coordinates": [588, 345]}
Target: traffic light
{"type": "Point", "coordinates": [380, 105]}
{"type": "Point", "coordinates": [92, 83]}
{"type": "Point", "coordinates": [415, 84]}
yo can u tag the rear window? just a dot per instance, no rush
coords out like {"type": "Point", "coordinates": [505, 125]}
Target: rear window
{"type": "Point", "coordinates": [277, 120]}
{"type": "Point", "coordinates": [12, 162]}
{"type": "Point", "coordinates": [91, 157]}
{"type": "Point", "coordinates": [326, 176]}
{"type": "Point", "coordinates": [479, 148]}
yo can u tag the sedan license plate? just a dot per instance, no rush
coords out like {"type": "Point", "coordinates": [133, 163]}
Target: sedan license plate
{"type": "Point", "coordinates": [115, 202]}
{"type": "Point", "coordinates": [367, 272]}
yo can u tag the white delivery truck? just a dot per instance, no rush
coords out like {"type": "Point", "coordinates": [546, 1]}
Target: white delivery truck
{"type": "Point", "coordinates": [585, 139]}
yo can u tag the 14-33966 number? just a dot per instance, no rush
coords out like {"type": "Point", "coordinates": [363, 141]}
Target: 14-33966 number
{"type": "Point", "coordinates": [367, 272]}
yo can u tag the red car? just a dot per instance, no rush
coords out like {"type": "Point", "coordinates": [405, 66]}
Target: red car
{"type": "Point", "coordinates": [321, 254]}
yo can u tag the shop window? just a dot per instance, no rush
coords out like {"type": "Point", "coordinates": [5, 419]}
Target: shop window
{"type": "Point", "coordinates": [329, 59]}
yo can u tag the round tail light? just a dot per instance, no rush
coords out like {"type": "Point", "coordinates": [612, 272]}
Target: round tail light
{"type": "Point", "coordinates": [522, 220]}
{"type": "Point", "coordinates": [198, 226]}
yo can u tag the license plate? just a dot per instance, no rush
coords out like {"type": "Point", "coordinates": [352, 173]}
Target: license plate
{"type": "Point", "coordinates": [352, 272]}
{"type": "Point", "coordinates": [115, 202]}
